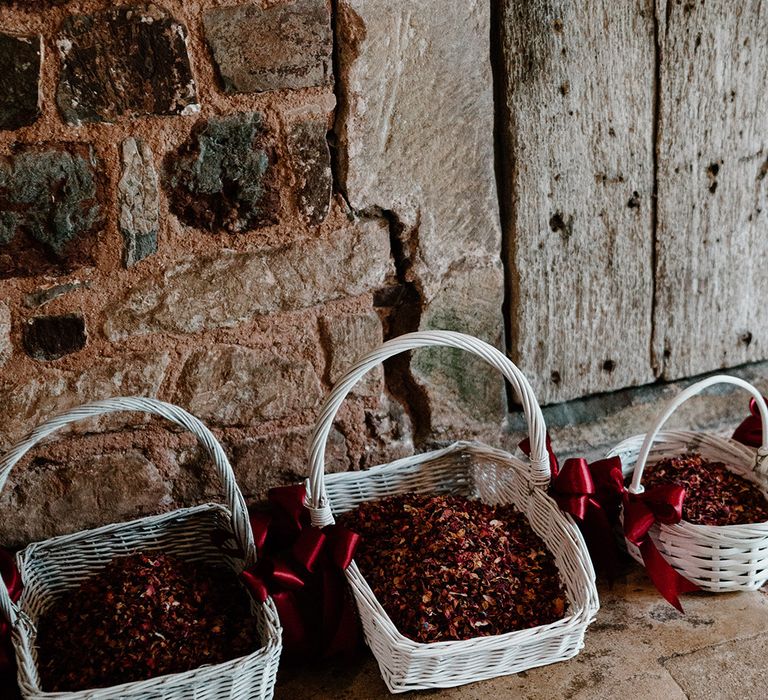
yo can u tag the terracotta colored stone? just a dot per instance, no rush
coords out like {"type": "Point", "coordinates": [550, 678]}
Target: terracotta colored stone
{"type": "Point", "coordinates": [52, 337]}
{"type": "Point", "coordinates": [265, 462]}
{"type": "Point", "coordinates": [312, 166]}
{"type": "Point", "coordinates": [287, 45]}
{"type": "Point", "coordinates": [138, 196]}
{"type": "Point", "coordinates": [233, 385]}
{"type": "Point", "coordinates": [348, 337]}
{"type": "Point", "coordinates": [124, 61]}
{"type": "Point", "coordinates": [222, 179]}
{"type": "Point", "coordinates": [33, 396]}
{"type": "Point", "coordinates": [50, 498]}
{"type": "Point", "coordinates": [49, 209]}
{"type": "Point", "coordinates": [231, 287]}
{"type": "Point", "coordinates": [20, 58]}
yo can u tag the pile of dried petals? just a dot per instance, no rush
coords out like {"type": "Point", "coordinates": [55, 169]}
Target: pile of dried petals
{"type": "Point", "coordinates": [714, 495]}
{"type": "Point", "coordinates": [447, 568]}
{"type": "Point", "coordinates": [141, 617]}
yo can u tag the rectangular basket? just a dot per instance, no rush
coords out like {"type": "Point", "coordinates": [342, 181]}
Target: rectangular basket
{"type": "Point", "coordinates": [716, 558]}
{"type": "Point", "coordinates": [57, 566]}
{"type": "Point", "coordinates": [473, 470]}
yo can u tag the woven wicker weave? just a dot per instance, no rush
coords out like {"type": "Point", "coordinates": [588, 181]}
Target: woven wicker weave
{"type": "Point", "coordinates": [716, 558]}
{"type": "Point", "coordinates": [58, 565]}
{"type": "Point", "coordinates": [474, 470]}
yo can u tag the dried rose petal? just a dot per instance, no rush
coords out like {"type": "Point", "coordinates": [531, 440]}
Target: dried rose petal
{"type": "Point", "coordinates": [448, 567]}
{"type": "Point", "coordinates": [143, 616]}
{"type": "Point", "coordinates": [714, 495]}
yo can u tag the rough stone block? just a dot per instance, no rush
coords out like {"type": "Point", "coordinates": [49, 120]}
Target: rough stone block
{"type": "Point", "coordinates": [138, 195]}
{"type": "Point", "coordinates": [44, 295]}
{"type": "Point", "coordinates": [49, 209]}
{"type": "Point", "coordinates": [416, 133]}
{"type": "Point", "coordinates": [20, 59]}
{"type": "Point", "coordinates": [265, 462]}
{"type": "Point", "coordinates": [233, 385]}
{"type": "Point", "coordinates": [6, 347]}
{"type": "Point", "coordinates": [284, 46]}
{"type": "Point", "coordinates": [124, 61]}
{"type": "Point", "coordinates": [33, 396]}
{"type": "Point", "coordinates": [461, 386]}
{"type": "Point", "coordinates": [47, 498]}
{"type": "Point", "coordinates": [312, 167]}
{"type": "Point", "coordinates": [231, 287]}
{"type": "Point", "coordinates": [222, 178]}
{"type": "Point", "coordinates": [52, 337]}
{"type": "Point", "coordinates": [348, 337]}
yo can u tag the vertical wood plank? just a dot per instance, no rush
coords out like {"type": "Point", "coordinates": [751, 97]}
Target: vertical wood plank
{"type": "Point", "coordinates": [712, 239]}
{"type": "Point", "coordinates": [578, 183]}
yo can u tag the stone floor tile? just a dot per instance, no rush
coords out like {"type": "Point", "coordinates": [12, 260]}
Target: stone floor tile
{"type": "Point", "coordinates": [734, 669]}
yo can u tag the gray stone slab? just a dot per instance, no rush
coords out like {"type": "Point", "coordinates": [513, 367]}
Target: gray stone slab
{"type": "Point", "coordinates": [285, 46]}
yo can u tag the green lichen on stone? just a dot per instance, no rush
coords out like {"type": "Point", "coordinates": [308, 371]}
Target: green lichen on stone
{"type": "Point", "coordinates": [221, 179]}
{"type": "Point", "coordinates": [51, 194]}
{"type": "Point", "coordinates": [475, 386]}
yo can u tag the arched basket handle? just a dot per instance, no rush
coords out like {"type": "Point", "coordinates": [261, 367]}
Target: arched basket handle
{"type": "Point", "coordinates": [316, 499]}
{"type": "Point", "coordinates": [682, 397]}
{"type": "Point", "coordinates": [233, 496]}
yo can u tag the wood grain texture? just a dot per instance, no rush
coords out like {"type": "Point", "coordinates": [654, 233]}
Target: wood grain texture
{"type": "Point", "coordinates": [578, 184]}
{"type": "Point", "coordinates": [711, 309]}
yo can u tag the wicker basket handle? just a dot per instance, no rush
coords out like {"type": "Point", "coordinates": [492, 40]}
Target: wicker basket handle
{"type": "Point", "coordinates": [234, 498]}
{"type": "Point", "coordinates": [762, 452]}
{"type": "Point", "coordinates": [316, 499]}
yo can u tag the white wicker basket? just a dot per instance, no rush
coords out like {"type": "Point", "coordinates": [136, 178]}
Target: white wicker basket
{"type": "Point", "coordinates": [469, 469]}
{"type": "Point", "coordinates": [716, 558]}
{"type": "Point", "coordinates": [57, 566]}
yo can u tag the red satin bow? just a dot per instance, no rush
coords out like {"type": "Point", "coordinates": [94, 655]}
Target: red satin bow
{"type": "Point", "coordinates": [591, 493]}
{"type": "Point", "coordinates": [12, 579]}
{"type": "Point", "coordinates": [750, 430]}
{"type": "Point", "coordinates": [661, 504]}
{"type": "Point", "coordinates": [301, 568]}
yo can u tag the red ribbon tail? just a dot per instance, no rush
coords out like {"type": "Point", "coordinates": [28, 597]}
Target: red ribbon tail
{"type": "Point", "coordinates": [341, 626]}
{"type": "Point", "coordinates": [295, 634]}
{"type": "Point", "coordinates": [598, 534]}
{"type": "Point", "coordinates": [669, 582]}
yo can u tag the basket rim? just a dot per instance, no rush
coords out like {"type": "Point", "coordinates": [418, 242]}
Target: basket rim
{"type": "Point", "coordinates": [355, 576]}
{"type": "Point", "coordinates": [27, 627]}
{"type": "Point", "coordinates": [110, 528]}
{"type": "Point", "coordinates": [421, 457]}
{"type": "Point", "coordinates": [684, 526]}
{"type": "Point", "coordinates": [581, 616]}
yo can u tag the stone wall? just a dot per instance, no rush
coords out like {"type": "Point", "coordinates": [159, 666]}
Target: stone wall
{"type": "Point", "coordinates": [221, 204]}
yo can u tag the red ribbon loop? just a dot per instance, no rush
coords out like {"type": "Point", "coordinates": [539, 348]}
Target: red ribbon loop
{"type": "Point", "coordinates": [661, 504]}
{"type": "Point", "coordinates": [573, 488]}
{"type": "Point", "coordinates": [750, 430]}
{"type": "Point", "coordinates": [591, 493]}
{"type": "Point", "coordinates": [301, 568]}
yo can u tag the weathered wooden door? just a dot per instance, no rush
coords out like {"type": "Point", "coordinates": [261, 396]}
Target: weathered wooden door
{"type": "Point", "coordinates": [633, 180]}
